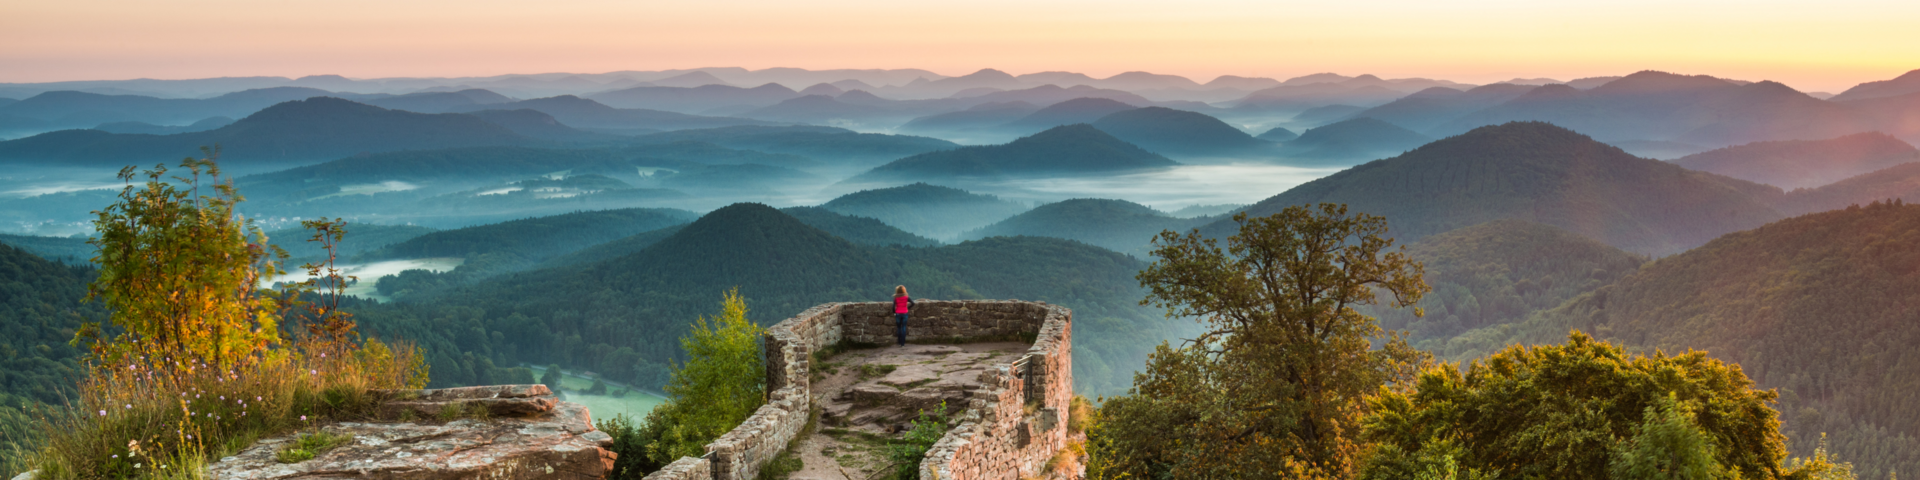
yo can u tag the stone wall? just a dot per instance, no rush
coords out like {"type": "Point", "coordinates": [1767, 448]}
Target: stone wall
{"type": "Point", "coordinates": [997, 436]}
{"type": "Point", "coordinates": [1013, 430]}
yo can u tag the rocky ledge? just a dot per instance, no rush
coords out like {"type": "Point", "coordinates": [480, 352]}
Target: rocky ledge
{"type": "Point", "coordinates": [524, 433]}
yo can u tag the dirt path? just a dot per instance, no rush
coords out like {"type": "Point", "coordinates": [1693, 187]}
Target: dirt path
{"type": "Point", "coordinates": [869, 397]}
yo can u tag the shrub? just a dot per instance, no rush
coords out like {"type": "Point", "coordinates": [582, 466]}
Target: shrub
{"type": "Point", "coordinates": [905, 456]}
{"type": "Point", "coordinates": [201, 370]}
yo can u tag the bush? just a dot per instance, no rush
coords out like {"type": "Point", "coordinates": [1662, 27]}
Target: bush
{"type": "Point", "coordinates": [199, 369]}
{"type": "Point", "coordinates": [906, 455]}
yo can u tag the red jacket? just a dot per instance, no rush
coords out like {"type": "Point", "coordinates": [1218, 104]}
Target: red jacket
{"type": "Point", "coordinates": [902, 304]}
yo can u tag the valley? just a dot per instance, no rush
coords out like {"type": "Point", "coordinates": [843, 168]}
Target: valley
{"type": "Point", "coordinates": [506, 224]}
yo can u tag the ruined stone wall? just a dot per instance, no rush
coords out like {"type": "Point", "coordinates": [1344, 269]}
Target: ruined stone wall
{"type": "Point", "coordinates": [1002, 439]}
{"type": "Point", "coordinates": [1017, 426]}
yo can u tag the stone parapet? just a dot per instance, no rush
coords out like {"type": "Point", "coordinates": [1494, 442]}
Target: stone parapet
{"type": "Point", "coordinates": [686, 468]}
{"type": "Point", "coordinates": [1008, 431]}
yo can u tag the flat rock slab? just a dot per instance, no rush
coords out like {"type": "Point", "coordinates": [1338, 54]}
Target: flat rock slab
{"type": "Point", "coordinates": [556, 444]}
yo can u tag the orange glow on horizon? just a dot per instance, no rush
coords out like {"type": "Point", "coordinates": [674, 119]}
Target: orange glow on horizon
{"type": "Point", "coordinates": [1814, 47]}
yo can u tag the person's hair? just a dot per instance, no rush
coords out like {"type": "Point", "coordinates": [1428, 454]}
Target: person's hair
{"type": "Point", "coordinates": [900, 291]}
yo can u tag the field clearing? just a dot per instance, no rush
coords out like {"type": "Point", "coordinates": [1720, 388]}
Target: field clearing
{"type": "Point", "coordinates": [635, 405]}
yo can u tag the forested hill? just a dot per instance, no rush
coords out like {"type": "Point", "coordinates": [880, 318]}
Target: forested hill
{"type": "Point", "coordinates": [1497, 273]}
{"type": "Point", "coordinates": [1791, 164]}
{"type": "Point", "coordinates": [1072, 150]}
{"type": "Point", "coordinates": [1821, 307]}
{"type": "Point", "coordinates": [1117, 225]}
{"type": "Point", "coordinates": [527, 241]}
{"type": "Point", "coordinates": [40, 307]}
{"type": "Point", "coordinates": [623, 316]}
{"type": "Point", "coordinates": [1180, 132]}
{"type": "Point", "coordinates": [1542, 173]}
{"type": "Point", "coordinates": [929, 210]}
{"type": "Point", "coordinates": [321, 128]}
{"type": "Point", "coordinates": [856, 229]}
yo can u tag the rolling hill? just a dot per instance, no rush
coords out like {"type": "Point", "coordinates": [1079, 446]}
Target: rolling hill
{"type": "Point", "coordinates": [1181, 133]}
{"type": "Point", "coordinates": [320, 128]}
{"type": "Point", "coordinates": [835, 145]}
{"type": "Point", "coordinates": [1699, 110]}
{"type": "Point", "coordinates": [519, 244]}
{"type": "Point", "coordinates": [860, 230]}
{"type": "Point", "coordinates": [1073, 150]}
{"type": "Point", "coordinates": [1277, 134]}
{"type": "Point", "coordinates": [695, 99]}
{"type": "Point", "coordinates": [1791, 164]}
{"type": "Point", "coordinates": [1350, 140]}
{"type": "Point", "coordinates": [1819, 307]}
{"type": "Point", "coordinates": [1429, 108]}
{"type": "Point", "coordinates": [71, 109]}
{"type": "Point", "coordinates": [927, 210]}
{"type": "Point", "coordinates": [1498, 273]}
{"type": "Point", "coordinates": [1541, 173]}
{"type": "Point", "coordinates": [441, 102]}
{"type": "Point", "coordinates": [1117, 225]}
{"type": "Point", "coordinates": [584, 113]}
{"type": "Point", "coordinates": [978, 117]}
{"type": "Point", "coordinates": [621, 317]}
{"type": "Point", "coordinates": [1078, 110]}
{"type": "Point", "coordinates": [42, 307]}
{"type": "Point", "coordinates": [1896, 182]}
{"type": "Point", "coordinates": [1905, 84]}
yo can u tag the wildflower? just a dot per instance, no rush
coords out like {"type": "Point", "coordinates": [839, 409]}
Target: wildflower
{"type": "Point", "coordinates": [303, 418]}
{"type": "Point", "coordinates": [129, 406]}
{"type": "Point", "coordinates": [103, 413]}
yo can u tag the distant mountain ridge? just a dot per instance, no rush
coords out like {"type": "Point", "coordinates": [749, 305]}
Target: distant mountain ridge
{"type": "Point", "coordinates": [318, 128]}
{"type": "Point", "coordinates": [1117, 225]}
{"type": "Point", "coordinates": [928, 210]}
{"type": "Point", "coordinates": [1542, 173]}
{"type": "Point", "coordinates": [1071, 150]}
{"type": "Point", "coordinates": [1791, 164]}
{"type": "Point", "coordinates": [1178, 132]}
{"type": "Point", "coordinates": [1362, 138]}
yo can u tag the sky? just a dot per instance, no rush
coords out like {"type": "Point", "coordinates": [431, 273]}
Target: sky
{"type": "Point", "coordinates": [1812, 46]}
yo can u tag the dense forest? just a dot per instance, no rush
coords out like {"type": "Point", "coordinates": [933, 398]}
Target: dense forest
{"type": "Point", "coordinates": [620, 316]}
{"type": "Point", "coordinates": [1542, 173]}
{"type": "Point", "coordinates": [1497, 273]}
{"type": "Point", "coordinates": [1117, 225]}
{"type": "Point", "coordinates": [1060, 151]}
{"type": "Point", "coordinates": [1820, 307]}
{"type": "Point", "coordinates": [927, 210]}
{"type": "Point", "coordinates": [1179, 132]}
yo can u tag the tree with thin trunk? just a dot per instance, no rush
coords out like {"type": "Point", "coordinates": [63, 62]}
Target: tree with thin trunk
{"type": "Point", "coordinates": [1274, 386]}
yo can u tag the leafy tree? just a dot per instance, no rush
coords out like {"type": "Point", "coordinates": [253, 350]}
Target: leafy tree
{"type": "Point", "coordinates": [551, 377]}
{"type": "Point", "coordinates": [1274, 384]}
{"type": "Point", "coordinates": [719, 386]}
{"type": "Point", "coordinates": [1584, 409]}
{"type": "Point", "coordinates": [181, 271]}
{"type": "Point", "coordinates": [1667, 445]}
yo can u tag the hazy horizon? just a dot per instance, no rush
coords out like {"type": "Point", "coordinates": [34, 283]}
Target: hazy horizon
{"type": "Point", "coordinates": [1824, 47]}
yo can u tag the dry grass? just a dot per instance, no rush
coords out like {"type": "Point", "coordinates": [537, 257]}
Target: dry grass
{"type": "Point", "coordinates": [165, 418]}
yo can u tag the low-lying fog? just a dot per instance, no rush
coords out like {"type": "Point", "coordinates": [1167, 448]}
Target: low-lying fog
{"type": "Point", "coordinates": [369, 273]}
{"type": "Point", "coordinates": [59, 201]}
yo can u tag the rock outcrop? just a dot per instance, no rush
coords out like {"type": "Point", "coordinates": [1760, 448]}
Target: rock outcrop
{"type": "Point", "coordinates": [509, 432]}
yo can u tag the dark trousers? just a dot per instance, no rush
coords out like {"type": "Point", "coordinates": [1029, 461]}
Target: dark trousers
{"type": "Point", "coordinates": [900, 327]}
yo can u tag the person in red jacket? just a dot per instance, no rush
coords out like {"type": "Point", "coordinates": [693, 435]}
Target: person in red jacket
{"type": "Point", "coordinates": [902, 305]}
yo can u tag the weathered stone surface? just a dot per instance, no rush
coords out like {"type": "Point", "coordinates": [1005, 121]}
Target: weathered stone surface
{"type": "Point", "coordinates": [994, 397]}
{"type": "Point", "coordinates": [557, 443]}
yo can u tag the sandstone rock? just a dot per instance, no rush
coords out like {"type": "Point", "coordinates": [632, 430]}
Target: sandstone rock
{"type": "Point", "coordinates": [556, 443]}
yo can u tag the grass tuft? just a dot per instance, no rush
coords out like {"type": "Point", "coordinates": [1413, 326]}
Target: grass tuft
{"type": "Point", "coordinates": [163, 418]}
{"type": "Point", "coordinates": [311, 445]}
